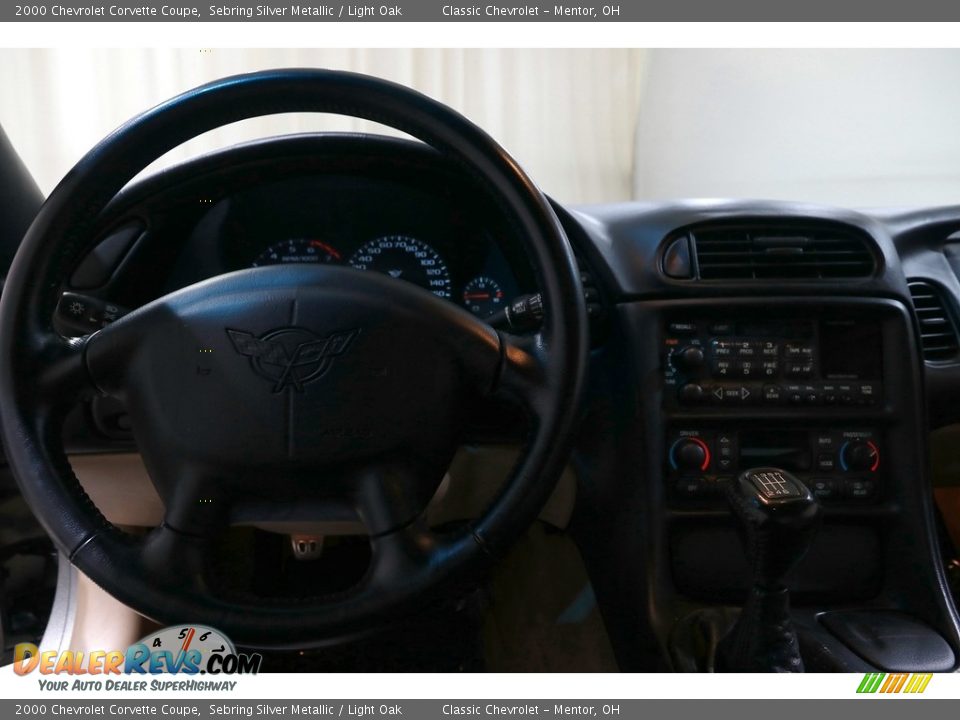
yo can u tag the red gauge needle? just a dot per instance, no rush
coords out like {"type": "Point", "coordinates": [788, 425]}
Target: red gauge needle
{"type": "Point", "coordinates": [476, 296]}
{"type": "Point", "coordinates": [324, 246]}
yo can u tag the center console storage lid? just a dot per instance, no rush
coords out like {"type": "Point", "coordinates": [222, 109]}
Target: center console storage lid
{"type": "Point", "coordinates": [891, 640]}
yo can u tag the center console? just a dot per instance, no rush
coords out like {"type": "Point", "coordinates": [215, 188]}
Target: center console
{"type": "Point", "coordinates": [826, 389]}
{"type": "Point", "coordinates": [821, 377]}
{"type": "Point", "coordinates": [818, 387]}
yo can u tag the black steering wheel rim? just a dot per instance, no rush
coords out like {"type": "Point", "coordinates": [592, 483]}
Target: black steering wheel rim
{"type": "Point", "coordinates": [41, 373]}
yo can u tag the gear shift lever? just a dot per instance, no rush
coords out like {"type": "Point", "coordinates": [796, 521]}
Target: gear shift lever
{"type": "Point", "coordinates": [778, 517]}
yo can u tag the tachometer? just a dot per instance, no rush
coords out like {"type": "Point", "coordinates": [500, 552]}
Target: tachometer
{"type": "Point", "coordinates": [298, 250]}
{"type": "Point", "coordinates": [483, 296]}
{"type": "Point", "coordinates": [405, 258]}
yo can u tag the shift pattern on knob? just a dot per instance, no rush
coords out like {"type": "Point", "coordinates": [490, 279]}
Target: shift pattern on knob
{"type": "Point", "coordinates": [774, 485]}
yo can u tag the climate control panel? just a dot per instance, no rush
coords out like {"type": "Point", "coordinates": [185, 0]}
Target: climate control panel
{"type": "Point", "coordinates": [842, 465]}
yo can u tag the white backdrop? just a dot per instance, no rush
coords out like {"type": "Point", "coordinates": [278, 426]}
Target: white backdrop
{"type": "Point", "coordinates": [567, 115]}
{"type": "Point", "coordinates": [844, 127]}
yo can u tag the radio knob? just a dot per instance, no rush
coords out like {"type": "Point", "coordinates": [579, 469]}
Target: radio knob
{"type": "Point", "coordinates": [688, 358]}
{"type": "Point", "coordinates": [859, 456]}
{"type": "Point", "coordinates": [690, 454]}
{"type": "Point", "coordinates": [691, 393]}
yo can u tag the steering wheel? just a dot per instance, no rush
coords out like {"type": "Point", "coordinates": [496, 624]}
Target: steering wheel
{"type": "Point", "coordinates": [286, 392]}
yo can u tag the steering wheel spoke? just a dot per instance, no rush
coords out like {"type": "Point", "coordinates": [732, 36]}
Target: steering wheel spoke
{"type": "Point", "coordinates": [523, 371]}
{"type": "Point", "coordinates": [403, 555]}
{"type": "Point", "coordinates": [61, 375]}
{"type": "Point", "coordinates": [391, 495]}
{"type": "Point", "coordinates": [174, 559]}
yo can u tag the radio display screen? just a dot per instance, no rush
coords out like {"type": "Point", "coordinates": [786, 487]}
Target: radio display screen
{"type": "Point", "coordinates": [850, 350]}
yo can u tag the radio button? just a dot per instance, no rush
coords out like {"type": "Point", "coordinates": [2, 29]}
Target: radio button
{"type": "Point", "coordinates": [724, 368]}
{"type": "Point", "coordinates": [747, 350]}
{"type": "Point", "coordinates": [794, 394]}
{"type": "Point", "coordinates": [798, 352]}
{"type": "Point", "coordinates": [733, 394]}
{"type": "Point", "coordinates": [721, 328]}
{"type": "Point", "coordinates": [749, 368]}
{"type": "Point", "coordinates": [799, 369]}
{"type": "Point", "coordinates": [682, 328]}
{"type": "Point", "coordinates": [769, 368]}
{"type": "Point", "coordinates": [868, 393]}
{"type": "Point", "coordinates": [769, 350]}
{"type": "Point", "coordinates": [772, 394]}
{"type": "Point", "coordinates": [722, 349]}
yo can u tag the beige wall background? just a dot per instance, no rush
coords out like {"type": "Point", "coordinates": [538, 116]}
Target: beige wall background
{"type": "Point", "coordinates": [568, 116]}
{"type": "Point", "coordinates": [855, 128]}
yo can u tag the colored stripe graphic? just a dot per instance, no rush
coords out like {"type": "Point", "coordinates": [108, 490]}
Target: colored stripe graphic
{"type": "Point", "coordinates": [907, 683]}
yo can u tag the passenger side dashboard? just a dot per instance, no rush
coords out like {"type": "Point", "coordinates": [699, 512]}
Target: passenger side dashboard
{"type": "Point", "coordinates": [779, 360]}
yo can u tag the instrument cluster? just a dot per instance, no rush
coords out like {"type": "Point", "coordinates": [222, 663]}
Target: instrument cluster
{"type": "Point", "coordinates": [407, 231]}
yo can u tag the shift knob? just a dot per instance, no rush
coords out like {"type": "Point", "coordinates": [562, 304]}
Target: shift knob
{"type": "Point", "coordinates": [778, 517]}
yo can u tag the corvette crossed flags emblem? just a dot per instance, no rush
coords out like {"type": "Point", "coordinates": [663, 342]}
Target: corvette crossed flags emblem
{"type": "Point", "coordinates": [291, 356]}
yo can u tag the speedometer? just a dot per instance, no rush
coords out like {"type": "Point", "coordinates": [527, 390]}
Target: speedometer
{"type": "Point", "coordinates": [405, 258]}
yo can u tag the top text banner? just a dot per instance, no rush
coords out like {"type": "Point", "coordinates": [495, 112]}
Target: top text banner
{"type": "Point", "coordinates": [504, 11]}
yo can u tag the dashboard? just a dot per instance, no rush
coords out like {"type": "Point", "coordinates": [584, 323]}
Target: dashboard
{"type": "Point", "coordinates": [737, 334]}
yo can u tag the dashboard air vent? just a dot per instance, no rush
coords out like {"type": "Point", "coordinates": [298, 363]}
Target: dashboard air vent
{"type": "Point", "coordinates": [781, 253]}
{"type": "Point", "coordinates": [938, 330]}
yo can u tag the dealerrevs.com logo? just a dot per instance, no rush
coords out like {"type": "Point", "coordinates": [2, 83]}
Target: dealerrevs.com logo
{"type": "Point", "coordinates": [178, 650]}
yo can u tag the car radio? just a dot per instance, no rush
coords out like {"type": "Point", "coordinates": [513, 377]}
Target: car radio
{"type": "Point", "coordinates": [830, 361]}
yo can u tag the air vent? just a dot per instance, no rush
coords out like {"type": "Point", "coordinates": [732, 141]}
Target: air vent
{"type": "Point", "coordinates": [781, 253]}
{"type": "Point", "coordinates": [938, 331]}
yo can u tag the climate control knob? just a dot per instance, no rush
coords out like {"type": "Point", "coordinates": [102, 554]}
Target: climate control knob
{"type": "Point", "coordinates": [687, 358]}
{"type": "Point", "coordinates": [859, 456]}
{"type": "Point", "coordinates": [690, 453]}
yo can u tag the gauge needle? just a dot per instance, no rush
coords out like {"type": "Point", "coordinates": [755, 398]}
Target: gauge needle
{"type": "Point", "coordinates": [476, 296]}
